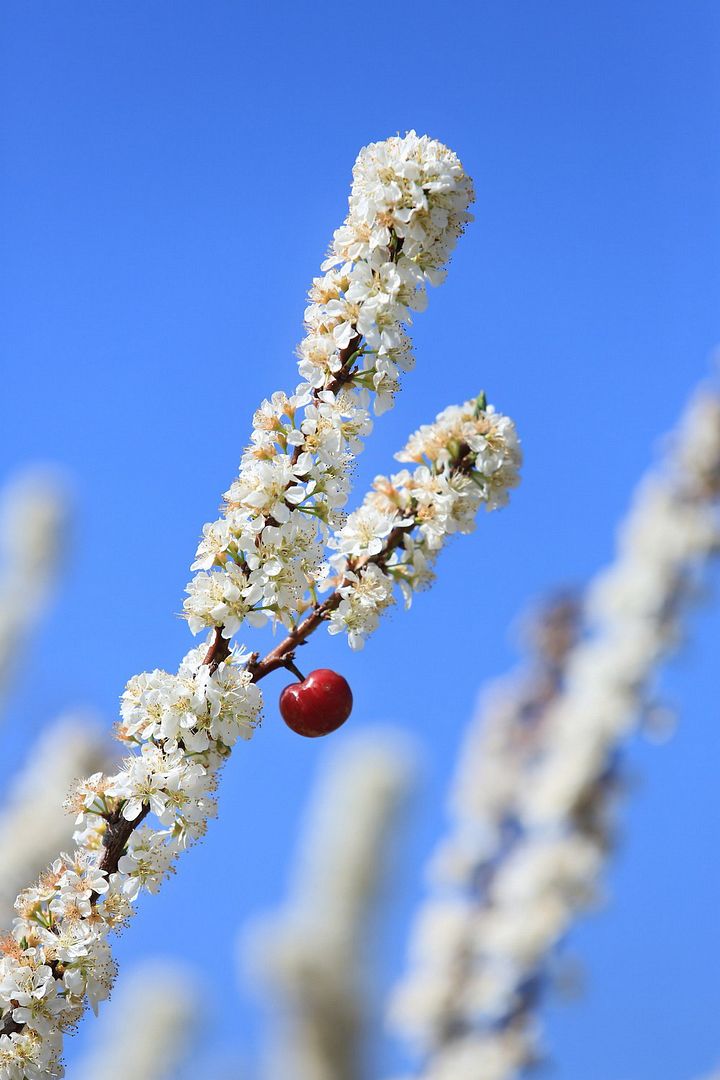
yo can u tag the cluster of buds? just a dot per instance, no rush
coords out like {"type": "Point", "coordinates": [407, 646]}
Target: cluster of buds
{"type": "Point", "coordinates": [264, 559]}
{"type": "Point", "coordinates": [527, 847]}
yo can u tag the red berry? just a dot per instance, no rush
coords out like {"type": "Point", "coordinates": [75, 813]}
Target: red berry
{"type": "Point", "coordinates": [317, 705]}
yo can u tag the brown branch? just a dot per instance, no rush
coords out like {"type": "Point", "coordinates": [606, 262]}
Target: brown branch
{"type": "Point", "coordinates": [118, 832]}
{"type": "Point", "coordinates": [345, 374]}
{"type": "Point", "coordinates": [10, 1026]}
{"type": "Point", "coordinates": [278, 657]}
{"type": "Point", "coordinates": [218, 651]}
{"type": "Point", "coordinates": [285, 650]}
{"type": "Point", "coordinates": [347, 359]}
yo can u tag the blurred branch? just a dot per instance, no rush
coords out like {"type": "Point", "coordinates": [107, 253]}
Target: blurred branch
{"type": "Point", "coordinates": [532, 808]}
{"type": "Point", "coordinates": [33, 524]}
{"type": "Point", "coordinates": [311, 954]}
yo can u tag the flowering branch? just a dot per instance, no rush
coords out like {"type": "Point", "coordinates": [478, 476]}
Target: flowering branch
{"type": "Point", "coordinates": [263, 560]}
{"type": "Point", "coordinates": [483, 947]}
{"type": "Point", "coordinates": [472, 458]}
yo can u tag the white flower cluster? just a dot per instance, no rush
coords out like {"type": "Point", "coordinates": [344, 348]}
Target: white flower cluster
{"type": "Point", "coordinates": [311, 953]}
{"type": "Point", "coordinates": [32, 825]}
{"type": "Point", "coordinates": [467, 459]}
{"type": "Point", "coordinates": [263, 559]}
{"type": "Point", "coordinates": [148, 1031]}
{"type": "Point", "coordinates": [33, 523]}
{"type": "Point", "coordinates": [58, 957]}
{"type": "Point", "coordinates": [505, 900]}
{"type": "Point", "coordinates": [260, 561]}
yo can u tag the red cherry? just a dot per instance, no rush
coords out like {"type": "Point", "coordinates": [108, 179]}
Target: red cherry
{"type": "Point", "coordinates": [317, 705]}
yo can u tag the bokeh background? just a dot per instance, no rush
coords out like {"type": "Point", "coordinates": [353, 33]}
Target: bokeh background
{"type": "Point", "coordinates": [172, 175]}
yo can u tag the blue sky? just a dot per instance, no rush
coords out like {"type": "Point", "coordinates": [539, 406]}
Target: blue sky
{"type": "Point", "coordinates": [172, 175]}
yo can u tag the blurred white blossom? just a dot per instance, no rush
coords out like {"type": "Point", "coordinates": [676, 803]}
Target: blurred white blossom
{"type": "Point", "coordinates": [535, 790]}
{"type": "Point", "coordinates": [150, 1028]}
{"type": "Point", "coordinates": [312, 954]}
{"type": "Point", "coordinates": [34, 514]}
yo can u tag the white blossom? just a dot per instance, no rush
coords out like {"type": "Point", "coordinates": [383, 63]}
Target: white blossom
{"type": "Point", "coordinates": [467, 459]}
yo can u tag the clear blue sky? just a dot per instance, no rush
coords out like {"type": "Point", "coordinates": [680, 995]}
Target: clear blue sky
{"type": "Point", "coordinates": [172, 174]}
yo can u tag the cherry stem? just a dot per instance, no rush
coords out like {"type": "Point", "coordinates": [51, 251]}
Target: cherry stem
{"type": "Point", "coordinates": [290, 665]}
